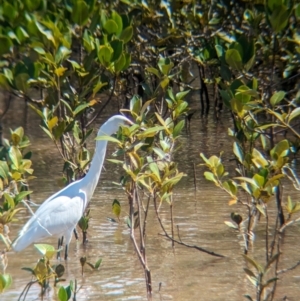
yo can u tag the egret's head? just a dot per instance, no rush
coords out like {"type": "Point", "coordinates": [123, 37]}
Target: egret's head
{"type": "Point", "coordinates": [112, 124]}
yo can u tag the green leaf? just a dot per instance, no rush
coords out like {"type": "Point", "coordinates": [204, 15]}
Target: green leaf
{"type": "Point", "coordinates": [233, 59]}
{"type": "Point", "coordinates": [111, 27]}
{"type": "Point", "coordinates": [255, 264]}
{"type": "Point", "coordinates": [181, 95]}
{"type": "Point", "coordinates": [46, 250]}
{"type": "Point", "coordinates": [115, 161]}
{"type": "Point", "coordinates": [165, 65]}
{"type": "Point", "coordinates": [32, 5]}
{"type": "Point", "coordinates": [10, 201]}
{"type": "Point", "coordinates": [80, 12]}
{"type": "Point", "coordinates": [151, 132]}
{"type": "Point", "coordinates": [120, 63]}
{"type": "Point", "coordinates": [127, 34]}
{"type": "Point", "coordinates": [154, 168]}
{"type": "Point", "coordinates": [116, 208]}
{"type": "Point", "coordinates": [15, 156]}
{"type": "Point", "coordinates": [247, 180]}
{"type": "Point", "coordinates": [231, 224]}
{"type": "Point", "coordinates": [237, 150]}
{"type": "Point", "coordinates": [62, 294]}
{"type": "Point", "coordinates": [4, 83]}
{"type": "Point", "coordinates": [258, 159]}
{"type": "Point", "coordinates": [118, 20]}
{"type": "Point", "coordinates": [62, 54]}
{"type": "Point", "coordinates": [249, 273]}
{"type": "Point", "coordinates": [210, 176]}
{"type": "Point", "coordinates": [117, 46]}
{"type": "Point", "coordinates": [127, 61]}
{"type": "Point", "coordinates": [105, 55]}
{"type": "Point", "coordinates": [297, 11]}
{"type": "Point", "coordinates": [295, 113]}
{"type": "Point", "coordinates": [52, 123]}
{"type": "Point", "coordinates": [98, 263]}
{"type": "Point", "coordinates": [5, 45]}
{"type": "Point", "coordinates": [21, 82]}
{"type": "Point", "coordinates": [20, 196]}
{"type": "Point", "coordinates": [165, 82]}
{"type": "Point", "coordinates": [5, 282]}
{"type": "Point", "coordinates": [81, 108]}
{"type": "Point", "coordinates": [107, 138]}
{"type": "Point", "coordinates": [259, 180]}
{"type": "Point", "coordinates": [135, 104]}
{"type": "Point", "coordinates": [279, 18]}
{"type": "Point", "coordinates": [277, 98]}
{"type": "Point", "coordinates": [178, 128]}
{"type": "Point", "coordinates": [153, 71]}
{"type": "Point", "coordinates": [281, 149]}
{"type": "Point", "coordinates": [9, 11]}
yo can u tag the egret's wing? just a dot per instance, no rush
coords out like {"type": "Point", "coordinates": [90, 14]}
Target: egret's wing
{"type": "Point", "coordinates": [56, 218]}
{"type": "Point", "coordinates": [71, 190]}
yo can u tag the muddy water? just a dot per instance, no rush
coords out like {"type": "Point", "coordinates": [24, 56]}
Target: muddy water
{"type": "Point", "coordinates": [181, 274]}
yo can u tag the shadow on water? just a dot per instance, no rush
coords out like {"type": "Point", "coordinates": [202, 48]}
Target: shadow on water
{"type": "Point", "coordinates": [182, 274]}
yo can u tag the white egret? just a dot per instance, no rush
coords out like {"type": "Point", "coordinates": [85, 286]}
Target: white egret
{"type": "Point", "coordinates": [60, 213]}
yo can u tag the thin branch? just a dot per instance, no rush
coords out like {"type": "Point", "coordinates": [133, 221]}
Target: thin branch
{"type": "Point", "coordinates": [288, 269]}
{"type": "Point", "coordinates": [104, 106]}
{"type": "Point", "coordinates": [180, 242]}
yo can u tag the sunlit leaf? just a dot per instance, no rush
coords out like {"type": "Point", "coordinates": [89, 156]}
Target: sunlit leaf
{"type": "Point", "coordinates": [237, 150]}
{"type": "Point", "coordinates": [98, 263]}
{"type": "Point", "coordinates": [5, 282]}
{"type": "Point", "coordinates": [111, 27]}
{"type": "Point", "coordinates": [80, 12]}
{"type": "Point", "coordinates": [210, 177]}
{"type": "Point", "coordinates": [295, 113]}
{"type": "Point", "coordinates": [255, 264]}
{"type": "Point", "coordinates": [62, 294]}
{"type": "Point", "coordinates": [47, 251]}
{"type": "Point", "coordinates": [60, 71]}
{"type": "Point", "coordinates": [231, 224]}
{"type": "Point", "coordinates": [233, 59]}
{"type": "Point", "coordinates": [126, 34]}
{"type": "Point", "coordinates": [108, 138]}
{"type": "Point", "coordinates": [178, 128]}
{"type": "Point", "coordinates": [277, 97]}
{"type": "Point", "coordinates": [116, 208]}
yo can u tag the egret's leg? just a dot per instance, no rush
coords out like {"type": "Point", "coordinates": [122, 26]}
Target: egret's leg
{"type": "Point", "coordinates": [60, 244]}
{"type": "Point", "coordinates": [68, 237]}
{"type": "Point", "coordinates": [66, 252]}
{"type": "Point", "coordinates": [75, 233]}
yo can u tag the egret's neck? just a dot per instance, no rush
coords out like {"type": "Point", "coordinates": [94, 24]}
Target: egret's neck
{"type": "Point", "coordinates": [92, 177]}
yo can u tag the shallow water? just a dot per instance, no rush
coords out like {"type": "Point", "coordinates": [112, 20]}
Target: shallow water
{"type": "Point", "coordinates": [182, 273]}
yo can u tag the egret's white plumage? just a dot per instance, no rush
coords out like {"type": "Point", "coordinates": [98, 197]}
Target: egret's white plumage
{"type": "Point", "coordinates": [60, 213]}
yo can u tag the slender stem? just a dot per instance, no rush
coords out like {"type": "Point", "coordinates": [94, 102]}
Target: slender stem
{"type": "Point", "coordinates": [172, 221]}
{"type": "Point", "coordinates": [104, 106]}
{"type": "Point", "coordinates": [177, 241]}
{"type": "Point", "coordinates": [140, 254]}
{"type": "Point", "coordinates": [195, 182]}
{"type": "Point", "coordinates": [146, 214]}
{"type": "Point", "coordinates": [267, 234]}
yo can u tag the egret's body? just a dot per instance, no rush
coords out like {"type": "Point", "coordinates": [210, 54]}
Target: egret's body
{"type": "Point", "coordinates": [60, 213]}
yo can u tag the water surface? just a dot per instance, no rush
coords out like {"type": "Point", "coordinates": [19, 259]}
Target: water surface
{"type": "Point", "coordinates": [180, 273]}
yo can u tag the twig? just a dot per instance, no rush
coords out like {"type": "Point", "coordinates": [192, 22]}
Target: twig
{"type": "Point", "coordinates": [104, 106]}
{"type": "Point", "coordinates": [195, 183]}
{"type": "Point", "coordinates": [288, 224]}
{"type": "Point", "coordinates": [288, 269]}
{"type": "Point", "coordinates": [191, 246]}
{"type": "Point", "coordinates": [180, 242]}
